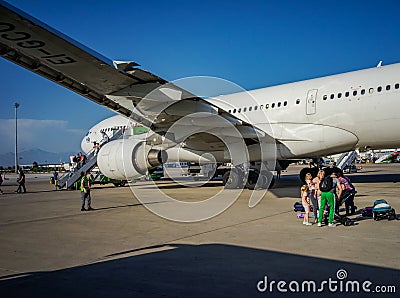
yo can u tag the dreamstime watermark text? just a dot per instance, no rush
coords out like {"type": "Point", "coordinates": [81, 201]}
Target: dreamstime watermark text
{"type": "Point", "coordinates": [338, 284]}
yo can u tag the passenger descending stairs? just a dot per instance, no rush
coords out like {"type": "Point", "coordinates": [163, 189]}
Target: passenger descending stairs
{"type": "Point", "coordinates": [67, 182]}
{"type": "Point", "coordinates": [346, 159]}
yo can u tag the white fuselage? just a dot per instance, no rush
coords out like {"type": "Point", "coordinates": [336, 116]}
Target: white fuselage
{"type": "Point", "coordinates": [326, 115]}
{"type": "Point", "coordinates": [315, 117]}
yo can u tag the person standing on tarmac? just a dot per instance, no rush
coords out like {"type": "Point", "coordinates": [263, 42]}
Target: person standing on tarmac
{"type": "Point", "coordinates": [328, 187]}
{"type": "Point", "coordinates": [85, 192]}
{"type": "Point", "coordinates": [55, 178]}
{"type": "Point", "coordinates": [21, 181]}
{"type": "Point", "coordinates": [349, 191]}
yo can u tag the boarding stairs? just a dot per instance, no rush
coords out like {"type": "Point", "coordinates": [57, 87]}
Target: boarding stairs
{"type": "Point", "coordinates": [67, 181]}
{"type": "Point", "coordinates": [346, 159]}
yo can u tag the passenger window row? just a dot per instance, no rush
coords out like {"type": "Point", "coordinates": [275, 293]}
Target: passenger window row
{"type": "Point", "coordinates": [113, 128]}
{"type": "Point", "coordinates": [362, 92]}
{"type": "Point", "coordinates": [261, 107]}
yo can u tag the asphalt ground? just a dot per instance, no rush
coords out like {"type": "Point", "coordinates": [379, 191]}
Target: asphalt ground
{"type": "Point", "coordinates": [50, 248]}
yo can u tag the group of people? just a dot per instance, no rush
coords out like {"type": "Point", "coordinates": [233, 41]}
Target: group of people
{"type": "Point", "coordinates": [320, 191]}
{"type": "Point", "coordinates": [76, 163]}
{"type": "Point", "coordinates": [20, 181]}
{"type": "Point", "coordinates": [84, 187]}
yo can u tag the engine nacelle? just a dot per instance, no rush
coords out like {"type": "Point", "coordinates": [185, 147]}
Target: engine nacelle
{"type": "Point", "coordinates": [127, 159]}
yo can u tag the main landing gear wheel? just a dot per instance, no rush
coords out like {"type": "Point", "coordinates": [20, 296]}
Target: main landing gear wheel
{"type": "Point", "coordinates": [252, 180]}
{"type": "Point", "coordinates": [269, 179]}
{"type": "Point", "coordinates": [233, 179]}
{"type": "Point", "coordinates": [260, 181]}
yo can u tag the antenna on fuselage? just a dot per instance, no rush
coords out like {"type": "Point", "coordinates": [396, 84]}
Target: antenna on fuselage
{"type": "Point", "coordinates": [379, 64]}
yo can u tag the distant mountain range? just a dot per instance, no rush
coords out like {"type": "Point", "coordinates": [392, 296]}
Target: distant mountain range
{"type": "Point", "coordinates": [29, 156]}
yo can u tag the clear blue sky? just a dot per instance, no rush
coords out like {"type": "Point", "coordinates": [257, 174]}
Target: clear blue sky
{"type": "Point", "coordinates": [251, 43]}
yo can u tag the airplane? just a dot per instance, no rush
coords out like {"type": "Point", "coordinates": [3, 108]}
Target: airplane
{"type": "Point", "coordinates": [257, 131]}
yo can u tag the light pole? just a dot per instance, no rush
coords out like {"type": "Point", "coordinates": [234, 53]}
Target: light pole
{"type": "Point", "coordinates": [16, 105]}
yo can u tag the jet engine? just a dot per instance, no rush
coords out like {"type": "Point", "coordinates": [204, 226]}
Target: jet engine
{"type": "Point", "coordinates": [128, 158]}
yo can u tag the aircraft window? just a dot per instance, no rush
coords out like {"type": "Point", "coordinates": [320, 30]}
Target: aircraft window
{"type": "Point", "coordinates": [362, 91]}
{"type": "Point", "coordinates": [347, 94]}
{"type": "Point", "coordinates": [255, 108]}
{"type": "Point", "coordinates": [379, 89]}
{"type": "Point", "coordinates": [371, 90]}
{"type": "Point", "coordinates": [339, 95]}
{"type": "Point", "coordinates": [273, 105]}
{"type": "Point", "coordinates": [387, 87]}
{"type": "Point", "coordinates": [267, 105]}
{"type": "Point", "coordinates": [297, 101]}
{"type": "Point", "coordinates": [279, 104]}
{"type": "Point", "coordinates": [325, 97]}
{"type": "Point", "coordinates": [229, 111]}
{"type": "Point", "coordinates": [234, 110]}
{"type": "Point", "coordinates": [332, 96]}
{"type": "Point", "coordinates": [354, 92]}
{"type": "Point", "coordinates": [244, 110]}
{"type": "Point", "coordinates": [250, 108]}
{"type": "Point", "coordinates": [239, 110]}
{"type": "Point", "coordinates": [285, 103]}
{"type": "Point", "coordinates": [261, 107]}
{"type": "Point", "coordinates": [396, 86]}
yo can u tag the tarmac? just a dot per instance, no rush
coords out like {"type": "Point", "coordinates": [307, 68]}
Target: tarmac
{"type": "Point", "coordinates": [50, 248]}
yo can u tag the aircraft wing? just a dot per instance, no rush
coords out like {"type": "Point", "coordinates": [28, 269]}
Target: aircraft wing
{"type": "Point", "coordinates": [120, 86]}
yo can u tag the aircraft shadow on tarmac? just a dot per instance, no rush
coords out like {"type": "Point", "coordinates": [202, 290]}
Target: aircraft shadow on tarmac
{"type": "Point", "coordinates": [129, 205]}
{"type": "Point", "coordinates": [208, 270]}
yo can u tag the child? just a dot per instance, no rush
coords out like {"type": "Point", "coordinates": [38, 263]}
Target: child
{"type": "Point", "coordinates": [306, 204]}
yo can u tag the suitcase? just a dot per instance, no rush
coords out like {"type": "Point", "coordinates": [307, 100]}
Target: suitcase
{"type": "Point", "coordinates": [382, 210]}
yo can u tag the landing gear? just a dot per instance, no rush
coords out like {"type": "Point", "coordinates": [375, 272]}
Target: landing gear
{"type": "Point", "coordinates": [235, 178]}
{"type": "Point", "coordinates": [262, 180]}
{"type": "Point", "coordinates": [269, 179]}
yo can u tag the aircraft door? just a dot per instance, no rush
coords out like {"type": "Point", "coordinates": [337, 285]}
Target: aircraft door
{"type": "Point", "coordinates": [311, 101]}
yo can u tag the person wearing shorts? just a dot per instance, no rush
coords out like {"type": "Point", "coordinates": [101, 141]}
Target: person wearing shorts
{"type": "Point", "coordinates": [306, 204]}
